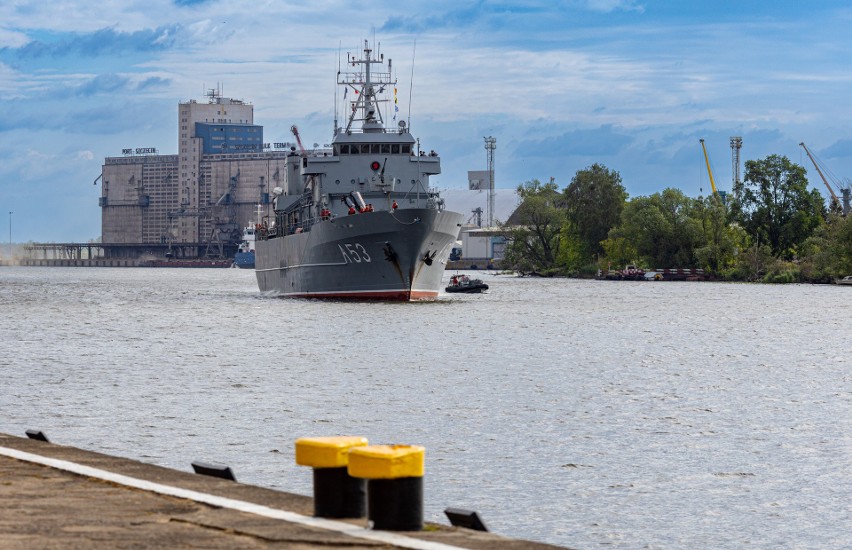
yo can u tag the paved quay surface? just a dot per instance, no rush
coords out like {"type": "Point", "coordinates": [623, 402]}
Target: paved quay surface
{"type": "Point", "coordinates": [53, 496]}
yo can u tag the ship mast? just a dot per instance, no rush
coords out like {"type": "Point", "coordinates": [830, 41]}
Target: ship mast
{"type": "Point", "coordinates": [367, 86]}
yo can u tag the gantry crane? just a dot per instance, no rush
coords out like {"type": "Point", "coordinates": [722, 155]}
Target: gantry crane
{"type": "Point", "coordinates": [710, 173]}
{"type": "Point", "coordinates": [821, 175]}
{"type": "Point", "coordinates": [295, 131]}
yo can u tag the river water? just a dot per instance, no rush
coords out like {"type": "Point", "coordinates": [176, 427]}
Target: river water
{"type": "Point", "coordinates": [580, 413]}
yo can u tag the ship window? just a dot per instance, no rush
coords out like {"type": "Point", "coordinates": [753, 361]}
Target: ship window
{"type": "Point", "coordinates": [365, 149]}
{"type": "Point", "coordinates": [385, 148]}
{"type": "Point", "coordinates": [374, 148]}
{"type": "Point", "coordinates": [337, 182]}
{"type": "Point", "coordinates": [406, 148]}
{"type": "Point", "coordinates": [353, 150]}
{"type": "Point", "coordinates": [395, 149]}
{"type": "Point", "coordinates": [344, 149]}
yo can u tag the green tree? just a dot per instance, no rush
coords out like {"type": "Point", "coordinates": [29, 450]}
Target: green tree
{"type": "Point", "coordinates": [827, 254]}
{"type": "Point", "coordinates": [753, 263]}
{"type": "Point", "coordinates": [719, 241]}
{"type": "Point", "coordinates": [573, 254]}
{"type": "Point", "coordinates": [594, 201]}
{"type": "Point", "coordinates": [661, 229]}
{"type": "Point", "coordinates": [774, 204]}
{"type": "Point", "coordinates": [534, 236]}
{"type": "Point", "coordinates": [618, 251]}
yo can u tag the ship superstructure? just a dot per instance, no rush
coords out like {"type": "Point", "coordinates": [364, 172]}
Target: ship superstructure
{"type": "Point", "coordinates": [360, 221]}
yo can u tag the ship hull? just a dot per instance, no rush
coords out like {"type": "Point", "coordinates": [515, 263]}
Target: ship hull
{"type": "Point", "coordinates": [244, 260]}
{"type": "Point", "coordinates": [381, 255]}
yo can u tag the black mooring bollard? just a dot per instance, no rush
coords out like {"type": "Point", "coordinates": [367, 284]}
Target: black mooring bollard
{"type": "Point", "coordinates": [336, 493]}
{"type": "Point", "coordinates": [395, 504]}
{"type": "Point", "coordinates": [394, 475]}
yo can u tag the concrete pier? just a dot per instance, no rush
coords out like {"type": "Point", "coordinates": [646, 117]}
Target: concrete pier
{"type": "Point", "coordinates": [53, 496]}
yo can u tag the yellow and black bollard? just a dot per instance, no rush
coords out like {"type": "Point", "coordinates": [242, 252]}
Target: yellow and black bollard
{"type": "Point", "coordinates": [394, 475]}
{"type": "Point", "coordinates": [336, 493]}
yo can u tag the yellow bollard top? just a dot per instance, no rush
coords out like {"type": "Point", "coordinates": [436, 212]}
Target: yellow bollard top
{"type": "Point", "coordinates": [387, 461]}
{"type": "Point", "coordinates": [326, 452]}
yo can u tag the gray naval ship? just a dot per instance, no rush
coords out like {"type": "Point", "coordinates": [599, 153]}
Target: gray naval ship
{"type": "Point", "coordinates": [359, 221]}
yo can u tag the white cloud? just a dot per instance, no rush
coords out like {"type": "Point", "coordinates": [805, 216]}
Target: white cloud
{"type": "Point", "coordinates": [607, 6]}
{"type": "Point", "coordinates": [12, 38]}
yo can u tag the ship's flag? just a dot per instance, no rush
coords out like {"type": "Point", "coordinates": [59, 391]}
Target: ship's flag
{"type": "Point", "coordinates": [395, 103]}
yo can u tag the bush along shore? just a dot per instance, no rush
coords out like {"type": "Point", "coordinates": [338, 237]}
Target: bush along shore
{"type": "Point", "coordinates": [770, 229]}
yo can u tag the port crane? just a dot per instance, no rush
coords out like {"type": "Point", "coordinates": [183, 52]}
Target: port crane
{"type": "Point", "coordinates": [845, 190]}
{"type": "Point", "coordinates": [295, 132]}
{"type": "Point", "coordinates": [716, 193]}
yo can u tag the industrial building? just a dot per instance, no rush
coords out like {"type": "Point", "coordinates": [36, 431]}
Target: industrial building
{"type": "Point", "coordinates": [196, 203]}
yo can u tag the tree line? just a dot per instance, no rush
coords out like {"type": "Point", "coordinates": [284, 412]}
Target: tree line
{"type": "Point", "coordinates": [772, 228]}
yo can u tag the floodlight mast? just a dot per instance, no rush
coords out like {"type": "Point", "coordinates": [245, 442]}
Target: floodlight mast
{"type": "Point", "coordinates": [490, 146]}
{"type": "Point", "coordinates": [736, 146]}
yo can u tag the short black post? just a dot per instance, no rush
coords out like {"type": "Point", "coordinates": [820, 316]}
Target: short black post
{"type": "Point", "coordinates": [336, 493]}
{"type": "Point", "coordinates": [396, 504]}
{"type": "Point", "coordinates": [394, 475]}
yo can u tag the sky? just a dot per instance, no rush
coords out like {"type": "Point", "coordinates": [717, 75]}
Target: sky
{"type": "Point", "coordinates": [561, 85]}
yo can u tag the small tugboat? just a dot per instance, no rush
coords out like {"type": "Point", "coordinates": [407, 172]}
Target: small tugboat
{"type": "Point", "coordinates": [244, 258]}
{"type": "Point", "coordinates": [463, 283]}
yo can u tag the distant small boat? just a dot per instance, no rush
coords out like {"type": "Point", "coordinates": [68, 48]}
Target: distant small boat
{"type": "Point", "coordinates": [847, 280]}
{"type": "Point", "coordinates": [463, 283]}
{"type": "Point", "coordinates": [244, 258]}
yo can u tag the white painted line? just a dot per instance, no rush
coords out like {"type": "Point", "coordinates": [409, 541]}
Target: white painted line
{"type": "Point", "coordinates": [385, 537]}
